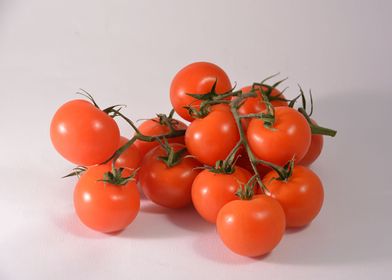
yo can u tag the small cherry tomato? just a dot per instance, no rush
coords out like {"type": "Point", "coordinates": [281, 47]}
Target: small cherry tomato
{"type": "Point", "coordinates": [254, 105]}
{"type": "Point", "coordinates": [213, 137]}
{"type": "Point", "coordinates": [288, 138]}
{"type": "Point", "coordinates": [301, 196]}
{"type": "Point", "coordinates": [252, 227]}
{"type": "Point", "coordinates": [168, 186]}
{"type": "Point", "coordinates": [210, 191]}
{"type": "Point", "coordinates": [130, 158]}
{"type": "Point", "coordinates": [83, 134]}
{"type": "Point", "coordinates": [153, 128]}
{"type": "Point", "coordinates": [196, 78]}
{"type": "Point", "coordinates": [316, 146]}
{"type": "Point", "coordinates": [102, 206]}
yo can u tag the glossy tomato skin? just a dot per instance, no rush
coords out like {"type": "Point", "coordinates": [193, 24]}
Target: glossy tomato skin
{"type": "Point", "coordinates": [314, 151]}
{"type": "Point", "coordinates": [301, 196]}
{"type": "Point", "coordinates": [211, 191]}
{"type": "Point", "coordinates": [213, 137]}
{"type": "Point", "coordinates": [168, 186]}
{"type": "Point", "coordinates": [196, 78]}
{"type": "Point", "coordinates": [83, 134]}
{"type": "Point", "coordinates": [289, 137]}
{"type": "Point", "coordinates": [253, 227]}
{"type": "Point", "coordinates": [102, 206]}
{"type": "Point", "coordinates": [152, 128]}
{"type": "Point", "coordinates": [130, 158]}
{"type": "Point", "coordinates": [254, 105]}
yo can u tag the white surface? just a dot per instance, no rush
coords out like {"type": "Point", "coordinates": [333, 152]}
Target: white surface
{"type": "Point", "coordinates": [127, 52]}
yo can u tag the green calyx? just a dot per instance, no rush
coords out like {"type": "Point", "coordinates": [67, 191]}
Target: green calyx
{"type": "Point", "coordinates": [246, 192]}
{"type": "Point", "coordinates": [116, 178]}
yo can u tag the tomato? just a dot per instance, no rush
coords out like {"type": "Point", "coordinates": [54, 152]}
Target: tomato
{"type": "Point", "coordinates": [301, 196]}
{"type": "Point", "coordinates": [210, 191]}
{"type": "Point", "coordinates": [102, 206]}
{"type": "Point", "coordinates": [213, 137]}
{"type": "Point", "coordinates": [153, 128]}
{"type": "Point", "coordinates": [168, 186]}
{"type": "Point", "coordinates": [289, 137]}
{"type": "Point", "coordinates": [196, 78]}
{"type": "Point", "coordinates": [316, 146]}
{"type": "Point", "coordinates": [130, 158]}
{"type": "Point", "coordinates": [254, 105]}
{"type": "Point", "coordinates": [253, 227]}
{"type": "Point", "coordinates": [244, 162]}
{"type": "Point", "coordinates": [83, 134]}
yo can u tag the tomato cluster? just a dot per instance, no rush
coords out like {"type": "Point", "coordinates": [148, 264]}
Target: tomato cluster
{"type": "Point", "coordinates": [241, 162]}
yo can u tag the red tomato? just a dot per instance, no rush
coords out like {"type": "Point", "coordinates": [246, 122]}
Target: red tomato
{"type": "Point", "coordinates": [290, 136]}
{"type": "Point", "coordinates": [168, 186]}
{"type": "Point", "coordinates": [210, 191]}
{"type": "Point", "coordinates": [196, 78]}
{"type": "Point", "coordinates": [130, 158]}
{"type": "Point", "coordinates": [301, 196]}
{"type": "Point", "coordinates": [253, 227]}
{"type": "Point", "coordinates": [83, 134]}
{"type": "Point", "coordinates": [153, 128]}
{"type": "Point", "coordinates": [102, 206]}
{"type": "Point", "coordinates": [244, 162]}
{"type": "Point", "coordinates": [316, 146]}
{"type": "Point", "coordinates": [254, 105]}
{"type": "Point", "coordinates": [213, 137]}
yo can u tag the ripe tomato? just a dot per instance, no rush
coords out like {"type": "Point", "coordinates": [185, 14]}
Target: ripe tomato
{"type": "Point", "coordinates": [253, 227]}
{"type": "Point", "coordinates": [213, 137]}
{"type": "Point", "coordinates": [289, 136]}
{"type": "Point", "coordinates": [102, 206]}
{"type": "Point", "coordinates": [152, 128]}
{"type": "Point", "coordinates": [196, 78]}
{"type": "Point", "coordinates": [301, 196]}
{"type": "Point", "coordinates": [210, 191]}
{"type": "Point", "coordinates": [130, 158]}
{"type": "Point", "coordinates": [244, 162]}
{"type": "Point", "coordinates": [316, 146]}
{"type": "Point", "coordinates": [168, 186]}
{"type": "Point", "coordinates": [83, 134]}
{"type": "Point", "coordinates": [253, 105]}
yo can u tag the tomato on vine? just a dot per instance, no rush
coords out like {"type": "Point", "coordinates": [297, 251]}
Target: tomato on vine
{"type": "Point", "coordinates": [251, 227]}
{"type": "Point", "coordinates": [253, 105]}
{"type": "Point", "coordinates": [83, 134]}
{"type": "Point", "coordinates": [301, 195]}
{"type": "Point", "coordinates": [314, 151]}
{"type": "Point", "coordinates": [196, 78]}
{"type": "Point", "coordinates": [130, 158]}
{"type": "Point", "coordinates": [166, 175]}
{"type": "Point", "coordinates": [211, 190]}
{"type": "Point", "coordinates": [288, 137]}
{"type": "Point", "coordinates": [155, 127]}
{"type": "Point", "coordinates": [106, 205]}
{"type": "Point", "coordinates": [213, 137]}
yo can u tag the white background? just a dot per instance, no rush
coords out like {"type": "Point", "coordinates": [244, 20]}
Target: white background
{"type": "Point", "coordinates": [127, 52]}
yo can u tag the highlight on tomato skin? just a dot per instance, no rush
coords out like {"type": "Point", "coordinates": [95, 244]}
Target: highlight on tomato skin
{"type": "Point", "coordinates": [102, 206]}
{"type": "Point", "coordinates": [196, 78]}
{"type": "Point", "coordinates": [251, 228]}
{"type": "Point", "coordinates": [152, 127]}
{"type": "Point", "coordinates": [301, 195]}
{"type": "Point", "coordinates": [83, 134]}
